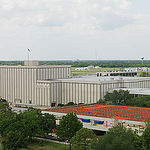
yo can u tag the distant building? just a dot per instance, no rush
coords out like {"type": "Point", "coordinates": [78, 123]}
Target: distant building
{"type": "Point", "coordinates": [79, 69]}
{"type": "Point", "coordinates": [96, 67]}
{"type": "Point", "coordinates": [128, 73]}
{"type": "Point", "coordinates": [90, 67]}
{"type": "Point", "coordinates": [136, 69]}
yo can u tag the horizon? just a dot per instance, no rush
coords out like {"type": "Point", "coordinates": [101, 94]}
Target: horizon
{"type": "Point", "coordinates": [78, 60]}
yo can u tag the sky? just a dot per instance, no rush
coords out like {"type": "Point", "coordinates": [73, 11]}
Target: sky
{"type": "Point", "coordinates": [75, 29]}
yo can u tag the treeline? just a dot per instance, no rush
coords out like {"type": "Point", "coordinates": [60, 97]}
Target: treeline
{"type": "Point", "coordinates": [18, 130]}
{"type": "Point", "coordinates": [12, 63]}
{"type": "Point", "coordinates": [121, 138]}
{"type": "Point", "coordinates": [84, 63]}
{"type": "Point", "coordinates": [122, 97]}
{"type": "Point", "coordinates": [100, 63]}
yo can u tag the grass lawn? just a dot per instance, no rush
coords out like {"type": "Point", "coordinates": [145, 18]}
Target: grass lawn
{"type": "Point", "coordinates": [44, 145]}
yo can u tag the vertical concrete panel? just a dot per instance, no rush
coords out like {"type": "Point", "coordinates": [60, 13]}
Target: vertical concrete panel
{"type": "Point", "coordinates": [70, 90]}
{"type": "Point", "coordinates": [79, 93]}
{"type": "Point", "coordinates": [48, 95]}
{"type": "Point", "coordinates": [4, 73]}
{"type": "Point", "coordinates": [73, 93]}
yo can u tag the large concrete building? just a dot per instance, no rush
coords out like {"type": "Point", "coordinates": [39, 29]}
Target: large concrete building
{"type": "Point", "coordinates": [18, 84]}
{"type": "Point", "coordinates": [52, 85]}
{"type": "Point", "coordinates": [86, 90]}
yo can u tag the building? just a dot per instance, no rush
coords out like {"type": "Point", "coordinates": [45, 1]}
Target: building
{"type": "Point", "coordinates": [18, 84]}
{"type": "Point", "coordinates": [102, 117]}
{"type": "Point", "coordinates": [118, 73]}
{"type": "Point", "coordinates": [53, 85]}
{"type": "Point", "coordinates": [87, 90]}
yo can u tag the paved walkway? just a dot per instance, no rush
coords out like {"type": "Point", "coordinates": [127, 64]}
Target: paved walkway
{"type": "Point", "coordinates": [49, 140]}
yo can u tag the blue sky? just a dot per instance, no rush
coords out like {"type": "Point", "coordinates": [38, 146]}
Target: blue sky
{"type": "Point", "coordinates": [74, 29]}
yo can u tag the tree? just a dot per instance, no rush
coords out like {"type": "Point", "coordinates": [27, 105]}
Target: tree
{"type": "Point", "coordinates": [68, 127]}
{"type": "Point", "coordinates": [119, 138]}
{"type": "Point", "coordinates": [140, 101]}
{"type": "Point", "coordinates": [6, 116]}
{"type": "Point", "coordinates": [32, 120]}
{"type": "Point", "coordinates": [146, 135]}
{"type": "Point", "coordinates": [14, 140]}
{"type": "Point", "coordinates": [5, 110]}
{"type": "Point", "coordinates": [48, 123]}
{"type": "Point", "coordinates": [82, 139]}
{"type": "Point", "coordinates": [118, 97]}
{"type": "Point", "coordinates": [17, 130]}
{"type": "Point", "coordinates": [139, 143]}
{"type": "Point", "coordinates": [70, 104]}
{"type": "Point", "coordinates": [2, 100]}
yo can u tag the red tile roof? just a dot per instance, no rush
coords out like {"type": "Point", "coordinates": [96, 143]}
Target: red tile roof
{"type": "Point", "coordinates": [107, 111]}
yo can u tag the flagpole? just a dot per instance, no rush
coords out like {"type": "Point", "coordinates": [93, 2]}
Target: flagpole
{"type": "Point", "coordinates": [28, 56]}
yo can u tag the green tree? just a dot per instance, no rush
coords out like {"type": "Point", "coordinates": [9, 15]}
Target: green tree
{"type": "Point", "coordinates": [117, 97]}
{"type": "Point", "coordinates": [70, 104]}
{"type": "Point", "coordinates": [140, 101]}
{"type": "Point", "coordinates": [5, 123]}
{"type": "Point", "coordinates": [146, 135]}
{"type": "Point", "coordinates": [68, 127]}
{"type": "Point", "coordinates": [32, 120]}
{"type": "Point", "coordinates": [118, 138]}
{"type": "Point", "coordinates": [14, 140]}
{"type": "Point", "coordinates": [48, 123]}
{"type": "Point", "coordinates": [5, 110]}
{"type": "Point", "coordinates": [139, 143]}
{"type": "Point", "coordinates": [6, 115]}
{"type": "Point", "coordinates": [82, 139]}
{"type": "Point", "coordinates": [17, 130]}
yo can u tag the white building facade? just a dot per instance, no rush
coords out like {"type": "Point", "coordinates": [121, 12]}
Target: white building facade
{"type": "Point", "coordinates": [18, 84]}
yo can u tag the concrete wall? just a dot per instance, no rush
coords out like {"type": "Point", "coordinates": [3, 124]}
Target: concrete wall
{"type": "Point", "coordinates": [18, 83]}
{"type": "Point", "coordinates": [49, 92]}
{"type": "Point", "coordinates": [64, 91]}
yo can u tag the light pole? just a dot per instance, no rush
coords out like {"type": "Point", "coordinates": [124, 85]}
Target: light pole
{"type": "Point", "coordinates": [142, 58]}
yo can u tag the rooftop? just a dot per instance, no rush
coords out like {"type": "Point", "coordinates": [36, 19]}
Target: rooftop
{"type": "Point", "coordinates": [36, 67]}
{"type": "Point", "coordinates": [107, 111]}
{"type": "Point", "coordinates": [94, 78]}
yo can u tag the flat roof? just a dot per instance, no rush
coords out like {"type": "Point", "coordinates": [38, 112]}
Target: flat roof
{"type": "Point", "coordinates": [139, 114]}
{"type": "Point", "coordinates": [38, 67]}
{"type": "Point", "coordinates": [94, 78]}
{"type": "Point", "coordinates": [117, 71]}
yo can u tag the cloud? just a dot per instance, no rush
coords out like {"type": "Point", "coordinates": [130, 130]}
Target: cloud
{"type": "Point", "coordinates": [121, 4]}
{"type": "Point", "coordinates": [71, 15]}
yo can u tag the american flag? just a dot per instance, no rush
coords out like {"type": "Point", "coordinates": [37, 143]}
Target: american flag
{"type": "Point", "coordinates": [29, 50]}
